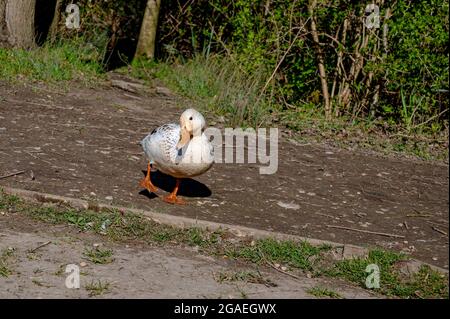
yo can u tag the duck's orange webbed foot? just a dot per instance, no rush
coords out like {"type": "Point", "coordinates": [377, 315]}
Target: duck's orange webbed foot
{"type": "Point", "coordinates": [147, 183]}
{"type": "Point", "coordinates": [172, 198]}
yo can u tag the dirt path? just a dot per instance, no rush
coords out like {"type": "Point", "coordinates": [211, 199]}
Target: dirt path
{"type": "Point", "coordinates": [135, 271]}
{"type": "Point", "coordinates": [85, 144]}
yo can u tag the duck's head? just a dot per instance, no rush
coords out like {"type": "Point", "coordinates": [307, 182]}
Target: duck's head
{"type": "Point", "coordinates": [192, 123]}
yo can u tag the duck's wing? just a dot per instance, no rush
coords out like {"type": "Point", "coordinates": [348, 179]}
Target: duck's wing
{"type": "Point", "coordinates": [160, 144]}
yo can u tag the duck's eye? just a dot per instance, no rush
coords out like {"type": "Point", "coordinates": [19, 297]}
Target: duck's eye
{"type": "Point", "coordinates": [203, 130]}
{"type": "Point", "coordinates": [190, 119]}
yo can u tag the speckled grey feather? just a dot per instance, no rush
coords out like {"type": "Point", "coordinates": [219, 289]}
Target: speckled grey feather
{"type": "Point", "coordinates": [167, 137]}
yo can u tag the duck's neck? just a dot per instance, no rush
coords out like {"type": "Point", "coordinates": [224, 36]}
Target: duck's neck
{"type": "Point", "coordinates": [198, 132]}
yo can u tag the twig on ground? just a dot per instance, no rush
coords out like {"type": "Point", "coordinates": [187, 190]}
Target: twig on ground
{"type": "Point", "coordinates": [366, 231]}
{"type": "Point", "coordinates": [418, 215]}
{"type": "Point", "coordinates": [40, 246]}
{"type": "Point", "coordinates": [326, 215]}
{"type": "Point", "coordinates": [438, 230]}
{"type": "Point", "coordinates": [282, 271]}
{"type": "Point", "coordinates": [12, 174]}
{"type": "Point", "coordinates": [436, 224]}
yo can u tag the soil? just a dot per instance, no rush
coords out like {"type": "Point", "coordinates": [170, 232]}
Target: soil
{"type": "Point", "coordinates": [84, 143]}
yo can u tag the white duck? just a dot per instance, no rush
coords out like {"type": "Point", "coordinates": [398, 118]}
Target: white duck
{"type": "Point", "coordinates": [178, 150]}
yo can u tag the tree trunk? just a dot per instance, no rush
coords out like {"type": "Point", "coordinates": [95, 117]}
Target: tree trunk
{"type": "Point", "coordinates": [17, 23]}
{"type": "Point", "coordinates": [55, 22]}
{"type": "Point", "coordinates": [320, 61]}
{"type": "Point", "coordinates": [147, 37]}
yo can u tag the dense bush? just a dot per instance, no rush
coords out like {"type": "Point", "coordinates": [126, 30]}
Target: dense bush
{"type": "Point", "coordinates": [408, 82]}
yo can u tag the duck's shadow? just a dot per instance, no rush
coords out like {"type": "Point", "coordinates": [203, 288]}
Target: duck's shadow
{"type": "Point", "coordinates": [188, 186]}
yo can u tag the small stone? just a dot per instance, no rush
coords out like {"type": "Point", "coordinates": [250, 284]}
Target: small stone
{"type": "Point", "coordinates": [83, 264]}
{"type": "Point", "coordinates": [351, 251]}
{"type": "Point", "coordinates": [284, 268]}
{"type": "Point", "coordinates": [109, 198]}
{"type": "Point", "coordinates": [409, 267]}
{"type": "Point", "coordinates": [163, 91]}
{"type": "Point", "coordinates": [288, 205]}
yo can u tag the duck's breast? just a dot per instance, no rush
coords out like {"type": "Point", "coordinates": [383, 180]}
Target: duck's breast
{"type": "Point", "coordinates": [198, 157]}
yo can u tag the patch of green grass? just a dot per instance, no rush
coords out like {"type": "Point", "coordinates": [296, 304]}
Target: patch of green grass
{"type": "Point", "coordinates": [8, 201]}
{"type": "Point", "coordinates": [300, 255]}
{"type": "Point", "coordinates": [60, 271]}
{"type": "Point", "coordinates": [97, 288]}
{"type": "Point", "coordinates": [321, 292]}
{"type": "Point", "coordinates": [98, 255]}
{"type": "Point", "coordinates": [427, 283]}
{"type": "Point", "coordinates": [308, 125]}
{"type": "Point", "coordinates": [5, 268]}
{"type": "Point", "coordinates": [54, 64]}
{"type": "Point", "coordinates": [198, 237]}
{"type": "Point", "coordinates": [33, 256]}
{"type": "Point", "coordinates": [215, 84]}
{"type": "Point", "coordinates": [40, 283]}
{"type": "Point", "coordinates": [254, 277]}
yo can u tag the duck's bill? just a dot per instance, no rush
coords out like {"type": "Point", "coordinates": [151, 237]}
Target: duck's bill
{"type": "Point", "coordinates": [184, 139]}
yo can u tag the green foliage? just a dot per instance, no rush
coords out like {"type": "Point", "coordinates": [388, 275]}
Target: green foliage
{"type": "Point", "coordinates": [259, 33]}
{"type": "Point", "coordinates": [65, 61]}
{"type": "Point", "coordinates": [295, 254]}
{"type": "Point", "coordinates": [321, 292]}
{"type": "Point", "coordinates": [5, 268]}
{"type": "Point", "coordinates": [98, 255]}
{"type": "Point", "coordinates": [426, 283]}
{"type": "Point", "coordinates": [417, 63]}
{"type": "Point", "coordinates": [97, 288]}
{"type": "Point", "coordinates": [215, 84]}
